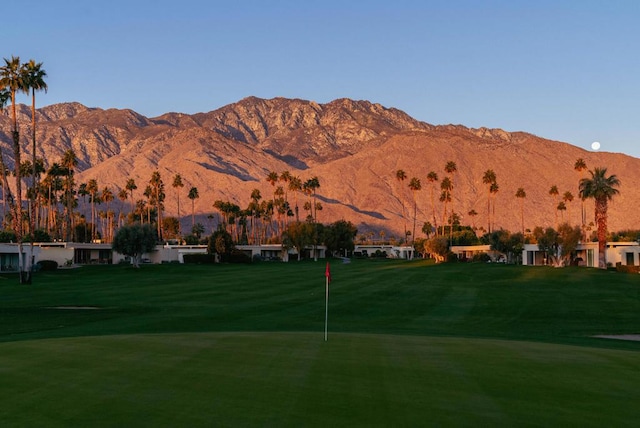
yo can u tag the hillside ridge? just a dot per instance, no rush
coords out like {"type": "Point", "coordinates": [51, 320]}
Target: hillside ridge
{"type": "Point", "coordinates": [354, 147]}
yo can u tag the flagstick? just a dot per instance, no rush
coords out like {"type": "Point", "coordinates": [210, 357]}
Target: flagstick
{"type": "Point", "coordinates": [326, 309]}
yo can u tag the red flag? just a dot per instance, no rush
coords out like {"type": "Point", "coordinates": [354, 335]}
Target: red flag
{"type": "Point", "coordinates": [327, 272]}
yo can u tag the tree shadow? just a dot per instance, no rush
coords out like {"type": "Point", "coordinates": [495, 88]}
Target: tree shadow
{"type": "Point", "coordinates": [373, 214]}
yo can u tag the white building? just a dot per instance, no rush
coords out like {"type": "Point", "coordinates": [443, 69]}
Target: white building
{"type": "Point", "coordinates": [625, 253]}
{"type": "Point", "coordinates": [393, 251]}
{"type": "Point", "coordinates": [9, 256]}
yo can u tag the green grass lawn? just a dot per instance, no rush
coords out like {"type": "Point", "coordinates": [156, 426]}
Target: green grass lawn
{"type": "Point", "coordinates": [409, 344]}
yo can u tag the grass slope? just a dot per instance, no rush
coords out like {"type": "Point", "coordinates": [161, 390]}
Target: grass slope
{"type": "Point", "coordinates": [410, 344]}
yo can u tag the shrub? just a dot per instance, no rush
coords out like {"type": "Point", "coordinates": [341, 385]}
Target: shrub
{"type": "Point", "coordinates": [46, 265]}
{"type": "Point", "coordinates": [380, 254]}
{"type": "Point", "coordinates": [627, 268]}
{"type": "Point", "coordinates": [238, 256]}
{"type": "Point", "coordinates": [451, 258]}
{"type": "Point", "coordinates": [200, 259]}
{"type": "Point", "coordinates": [481, 257]}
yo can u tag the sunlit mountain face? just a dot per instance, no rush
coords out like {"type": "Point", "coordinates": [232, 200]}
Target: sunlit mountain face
{"type": "Point", "coordinates": [353, 148]}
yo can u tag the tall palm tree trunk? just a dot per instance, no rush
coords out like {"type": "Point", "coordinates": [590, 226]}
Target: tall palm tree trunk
{"type": "Point", "coordinates": [601, 223]}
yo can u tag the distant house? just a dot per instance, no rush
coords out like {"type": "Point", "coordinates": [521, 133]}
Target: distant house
{"type": "Point", "coordinates": [269, 251]}
{"type": "Point", "coordinates": [392, 251]}
{"type": "Point", "coordinates": [466, 252]}
{"type": "Point", "coordinates": [625, 253]}
{"type": "Point", "coordinates": [9, 256]}
{"type": "Point", "coordinates": [68, 253]}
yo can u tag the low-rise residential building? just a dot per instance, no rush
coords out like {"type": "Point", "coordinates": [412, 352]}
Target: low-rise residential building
{"type": "Point", "coordinates": [586, 254]}
{"type": "Point", "coordinates": [392, 251]}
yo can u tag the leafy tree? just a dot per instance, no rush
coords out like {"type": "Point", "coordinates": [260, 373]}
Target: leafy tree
{"type": "Point", "coordinates": [464, 236]}
{"type": "Point", "coordinates": [510, 244]}
{"type": "Point", "coordinates": [298, 235]}
{"type": "Point", "coordinates": [171, 227]}
{"type": "Point", "coordinates": [339, 236]}
{"type": "Point", "coordinates": [601, 188]}
{"type": "Point", "coordinates": [221, 244]}
{"type": "Point", "coordinates": [7, 236]}
{"type": "Point", "coordinates": [560, 244]}
{"type": "Point", "coordinates": [438, 247]}
{"type": "Point", "coordinates": [135, 240]}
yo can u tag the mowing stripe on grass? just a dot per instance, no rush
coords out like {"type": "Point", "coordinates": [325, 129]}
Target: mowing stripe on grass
{"type": "Point", "coordinates": [296, 379]}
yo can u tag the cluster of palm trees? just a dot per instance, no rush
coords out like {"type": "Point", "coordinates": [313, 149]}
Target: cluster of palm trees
{"type": "Point", "coordinates": [16, 77]}
{"type": "Point", "coordinates": [53, 200]}
{"type": "Point", "coordinates": [597, 186]}
{"type": "Point", "coordinates": [446, 191]}
{"type": "Point", "coordinates": [265, 219]}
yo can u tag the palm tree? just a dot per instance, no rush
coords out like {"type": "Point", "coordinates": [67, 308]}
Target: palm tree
{"type": "Point", "coordinates": [178, 184]}
{"type": "Point", "coordinates": [562, 207]}
{"type": "Point", "coordinates": [69, 162]}
{"type": "Point", "coordinates": [521, 194]}
{"type": "Point", "coordinates": [123, 195]}
{"type": "Point", "coordinates": [445, 197]}
{"type": "Point", "coordinates": [414, 185]}
{"type": "Point", "coordinates": [432, 177]}
{"type": "Point", "coordinates": [493, 191]}
{"type": "Point", "coordinates": [54, 184]}
{"type": "Point", "coordinates": [580, 165]}
{"type": "Point", "coordinates": [473, 213]}
{"type": "Point", "coordinates": [107, 197]}
{"type": "Point", "coordinates": [311, 186]}
{"type": "Point", "coordinates": [193, 195]}
{"type": "Point", "coordinates": [553, 192]}
{"type": "Point", "coordinates": [295, 185]}
{"type": "Point", "coordinates": [601, 189]}
{"type": "Point", "coordinates": [12, 78]}
{"type": "Point", "coordinates": [33, 78]}
{"type": "Point", "coordinates": [131, 186]}
{"type": "Point", "coordinates": [567, 197]}
{"type": "Point", "coordinates": [489, 178]}
{"type": "Point", "coordinates": [92, 189]}
{"type": "Point", "coordinates": [451, 168]}
{"type": "Point", "coordinates": [157, 195]}
{"type": "Point", "coordinates": [401, 176]}
{"type": "Point", "coordinates": [5, 96]}
{"type": "Point", "coordinates": [273, 178]}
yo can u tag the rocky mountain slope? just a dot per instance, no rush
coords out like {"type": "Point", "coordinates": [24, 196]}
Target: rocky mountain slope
{"type": "Point", "coordinates": [353, 147]}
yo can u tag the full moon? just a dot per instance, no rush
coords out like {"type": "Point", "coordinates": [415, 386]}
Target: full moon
{"type": "Point", "coordinates": [595, 145]}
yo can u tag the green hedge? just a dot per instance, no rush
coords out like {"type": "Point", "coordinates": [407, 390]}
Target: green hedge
{"type": "Point", "coordinates": [627, 268]}
{"type": "Point", "coordinates": [200, 259]}
{"type": "Point", "coordinates": [48, 265]}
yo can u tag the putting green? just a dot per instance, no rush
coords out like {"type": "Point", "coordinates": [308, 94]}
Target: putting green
{"type": "Point", "coordinates": [297, 379]}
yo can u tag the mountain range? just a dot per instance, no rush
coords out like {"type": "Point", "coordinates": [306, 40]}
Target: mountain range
{"type": "Point", "coordinates": [354, 148]}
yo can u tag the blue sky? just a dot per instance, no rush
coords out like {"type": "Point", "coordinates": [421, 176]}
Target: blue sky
{"type": "Point", "coordinates": [563, 70]}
